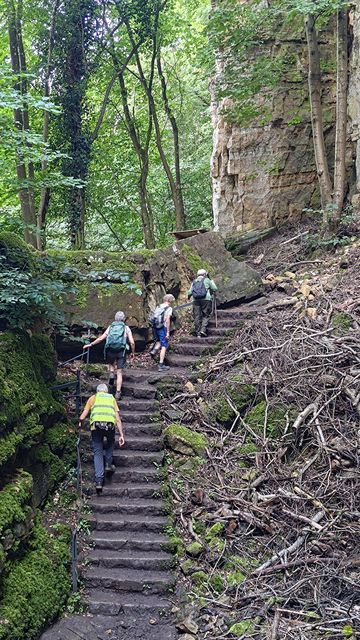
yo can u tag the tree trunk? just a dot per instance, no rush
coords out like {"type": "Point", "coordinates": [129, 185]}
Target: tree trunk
{"type": "Point", "coordinates": [314, 79]}
{"type": "Point", "coordinates": [180, 218]}
{"type": "Point", "coordinates": [341, 113]}
{"type": "Point", "coordinates": [21, 120]}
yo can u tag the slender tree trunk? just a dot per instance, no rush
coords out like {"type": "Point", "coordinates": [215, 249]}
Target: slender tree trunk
{"type": "Point", "coordinates": [341, 113]}
{"type": "Point", "coordinates": [142, 153]}
{"type": "Point", "coordinates": [314, 78]}
{"type": "Point", "coordinates": [21, 119]}
{"type": "Point", "coordinates": [45, 192]}
{"type": "Point", "coordinates": [180, 218]}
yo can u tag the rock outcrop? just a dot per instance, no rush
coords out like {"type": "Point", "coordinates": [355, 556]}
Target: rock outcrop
{"type": "Point", "coordinates": [135, 283]}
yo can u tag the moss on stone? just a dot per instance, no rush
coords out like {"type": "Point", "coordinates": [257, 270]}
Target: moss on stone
{"type": "Point", "coordinates": [235, 578]}
{"type": "Point", "coordinates": [194, 260]}
{"type": "Point", "coordinates": [187, 567]}
{"type": "Point", "coordinates": [217, 583]}
{"type": "Point", "coordinates": [199, 578]}
{"type": "Point", "coordinates": [240, 628]}
{"type": "Point", "coordinates": [342, 322]}
{"type": "Point", "coordinates": [8, 446]}
{"type": "Point", "coordinates": [184, 440]}
{"type": "Point", "coordinates": [45, 356]}
{"type": "Point", "coordinates": [241, 395]}
{"type": "Point", "coordinates": [194, 549]}
{"type": "Point", "coordinates": [95, 370]}
{"type": "Point", "coordinates": [36, 587]}
{"type": "Point", "coordinates": [214, 531]}
{"type": "Point", "coordinates": [14, 497]}
{"type": "Point", "coordinates": [17, 252]}
{"type": "Point", "coordinates": [276, 419]}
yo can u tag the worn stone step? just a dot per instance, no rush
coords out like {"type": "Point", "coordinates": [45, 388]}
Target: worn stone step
{"type": "Point", "coordinates": [111, 603]}
{"type": "Point", "coordinates": [136, 416]}
{"type": "Point", "coordinates": [209, 340]}
{"type": "Point", "coordinates": [119, 522]}
{"type": "Point", "coordinates": [127, 403]}
{"type": "Point", "coordinates": [190, 348]}
{"type": "Point", "coordinates": [151, 376]}
{"type": "Point", "coordinates": [175, 360]}
{"type": "Point", "coordinates": [140, 490]}
{"type": "Point", "coordinates": [138, 390]}
{"type": "Point", "coordinates": [143, 443]}
{"type": "Point", "coordinates": [128, 458]}
{"type": "Point", "coordinates": [124, 475]}
{"type": "Point", "coordinates": [128, 580]}
{"type": "Point", "coordinates": [131, 559]}
{"type": "Point", "coordinates": [147, 429]}
{"type": "Point", "coordinates": [225, 322]}
{"type": "Point", "coordinates": [138, 541]}
{"type": "Point", "coordinates": [213, 331]}
{"type": "Point", "coordinates": [133, 506]}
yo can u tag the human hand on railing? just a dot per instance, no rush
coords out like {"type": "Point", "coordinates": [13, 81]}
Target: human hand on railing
{"type": "Point", "coordinates": [86, 346]}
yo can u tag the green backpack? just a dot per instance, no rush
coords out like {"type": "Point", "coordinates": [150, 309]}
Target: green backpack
{"type": "Point", "coordinates": [116, 339]}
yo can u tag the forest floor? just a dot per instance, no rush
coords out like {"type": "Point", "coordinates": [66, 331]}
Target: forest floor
{"type": "Point", "coordinates": [269, 518]}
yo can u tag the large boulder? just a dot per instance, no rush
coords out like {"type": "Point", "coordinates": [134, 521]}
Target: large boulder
{"type": "Point", "coordinates": [135, 283]}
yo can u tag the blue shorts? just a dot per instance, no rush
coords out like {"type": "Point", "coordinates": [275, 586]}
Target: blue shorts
{"type": "Point", "coordinates": [161, 337]}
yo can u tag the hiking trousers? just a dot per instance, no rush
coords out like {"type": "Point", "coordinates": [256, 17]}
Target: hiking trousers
{"type": "Point", "coordinates": [102, 450]}
{"type": "Point", "coordinates": [202, 311]}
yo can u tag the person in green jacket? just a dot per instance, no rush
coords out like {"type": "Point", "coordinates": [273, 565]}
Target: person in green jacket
{"type": "Point", "coordinates": [202, 291]}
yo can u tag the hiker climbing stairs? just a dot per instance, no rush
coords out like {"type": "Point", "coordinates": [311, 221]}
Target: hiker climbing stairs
{"type": "Point", "coordinates": [128, 570]}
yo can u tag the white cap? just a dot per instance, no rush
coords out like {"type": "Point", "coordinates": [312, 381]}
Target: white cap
{"type": "Point", "coordinates": [202, 272]}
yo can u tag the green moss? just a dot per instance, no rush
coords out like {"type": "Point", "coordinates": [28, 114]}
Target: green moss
{"type": "Point", "coordinates": [217, 583]}
{"type": "Point", "coordinates": [17, 252]}
{"type": "Point", "coordinates": [199, 577]}
{"type": "Point", "coordinates": [95, 370]}
{"type": "Point", "coordinates": [241, 395]}
{"type": "Point", "coordinates": [194, 260]}
{"type": "Point", "coordinates": [174, 544]}
{"type": "Point", "coordinates": [45, 356]}
{"type": "Point", "coordinates": [194, 549]}
{"type": "Point", "coordinates": [240, 628]}
{"type": "Point", "coordinates": [95, 260]}
{"type": "Point", "coordinates": [276, 419]}
{"type": "Point", "coordinates": [216, 544]}
{"type": "Point", "coordinates": [199, 527]}
{"type": "Point", "coordinates": [8, 446]}
{"type": "Point", "coordinates": [235, 578]}
{"type": "Point", "coordinates": [342, 322]}
{"type": "Point", "coordinates": [215, 530]}
{"type": "Point", "coordinates": [36, 587]}
{"type": "Point", "coordinates": [13, 499]}
{"type": "Point", "coordinates": [187, 567]}
{"type": "Point", "coordinates": [182, 439]}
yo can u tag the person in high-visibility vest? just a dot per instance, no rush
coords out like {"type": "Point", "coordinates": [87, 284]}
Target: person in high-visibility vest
{"type": "Point", "coordinates": [104, 415]}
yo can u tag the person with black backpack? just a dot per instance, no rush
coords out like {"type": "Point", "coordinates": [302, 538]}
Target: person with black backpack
{"type": "Point", "coordinates": [201, 291]}
{"type": "Point", "coordinates": [160, 320]}
{"type": "Point", "coordinates": [119, 340]}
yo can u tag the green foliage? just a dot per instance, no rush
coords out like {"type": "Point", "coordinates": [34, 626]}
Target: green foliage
{"type": "Point", "coordinates": [275, 418]}
{"type": "Point", "coordinates": [177, 435]}
{"type": "Point", "coordinates": [36, 586]}
{"type": "Point", "coordinates": [240, 628]}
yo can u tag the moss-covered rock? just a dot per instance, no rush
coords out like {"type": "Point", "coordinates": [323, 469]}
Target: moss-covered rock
{"type": "Point", "coordinates": [240, 628]}
{"type": "Point", "coordinates": [194, 549]}
{"type": "Point", "coordinates": [16, 251]}
{"type": "Point", "coordinates": [241, 396]}
{"type": "Point", "coordinates": [342, 322]}
{"type": "Point", "coordinates": [36, 587]}
{"type": "Point", "coordinates": [275, 419]}
{"type": "Point", "coordinates": [182, 440]}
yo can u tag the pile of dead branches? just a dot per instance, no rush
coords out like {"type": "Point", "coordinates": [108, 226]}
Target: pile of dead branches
{"type": "Point", "coordinates": [293, 514]}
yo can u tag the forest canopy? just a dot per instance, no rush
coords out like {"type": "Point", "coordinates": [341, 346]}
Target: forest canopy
{"type": "Point", "coordinates": [106, 131]}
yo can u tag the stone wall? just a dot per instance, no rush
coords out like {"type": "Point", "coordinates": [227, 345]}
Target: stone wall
{"type": "Point", "coordinates": [354, 103]}
{"type": "Point", "coordinates": [265, 174]}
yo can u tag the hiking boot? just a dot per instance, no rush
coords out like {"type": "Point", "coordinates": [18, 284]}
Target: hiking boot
{"type": "Point", "coordinates": [198, 335]}
{"type": "Point", "coordinates": [99, 488]}
{"type": "Point", "coordinates": [163, 367]}
{"type": "Point", "coordinates": [203, 334]}
{"type": "Point", "coordinates": [153, 353]}
{"type": "Point", "coordinates": [111, 379]}
{"type": "Point", "coordinates": [109, 469]}
{"type": "Point", "coordinates": [118, 395]}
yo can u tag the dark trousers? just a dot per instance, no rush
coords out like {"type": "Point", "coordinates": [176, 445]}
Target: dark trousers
{"type": "Point", "coordinates": [202, 311]}
{"type": "Point", "coordinates": [101, 451]}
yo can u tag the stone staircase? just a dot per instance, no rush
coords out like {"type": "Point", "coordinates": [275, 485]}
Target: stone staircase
{"type": "Point", "coordinates": [128, 578]}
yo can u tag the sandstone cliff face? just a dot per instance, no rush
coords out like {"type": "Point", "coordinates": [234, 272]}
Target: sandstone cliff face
{"type": "Point", "coordinates": [354, 101]}
{"type": "Point", "coordinates": [265, 174]}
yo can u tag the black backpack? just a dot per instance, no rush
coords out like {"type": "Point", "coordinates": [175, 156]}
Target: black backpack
{"type": "Point", "coordinates": [199, 289]}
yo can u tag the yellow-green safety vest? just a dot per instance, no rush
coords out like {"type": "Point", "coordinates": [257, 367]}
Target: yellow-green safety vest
{"type": "Point", "coordinates": [103, 409]}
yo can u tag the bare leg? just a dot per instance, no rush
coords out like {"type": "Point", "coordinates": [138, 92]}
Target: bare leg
{"type": "Point", "coordinates": [119, 380]}
{"type": "Point", "coordinates": [162, 354]}
{"type": "Point", "coordinates": [111, 374]}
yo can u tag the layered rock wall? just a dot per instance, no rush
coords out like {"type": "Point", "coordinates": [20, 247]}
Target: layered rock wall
{"type": "Point", "coordinates": [265, 174]}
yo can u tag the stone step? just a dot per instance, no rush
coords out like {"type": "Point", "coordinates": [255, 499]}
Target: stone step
{"type": "Point", "coordinates": [127, 403]}
{"type": "Point", "coordinates": [213, 331]}
{"type": "Point", "coordinates": [136, 416]}
{"type": "Point", "coordinates": [138, 390]}
{"type": "Point", "coordinates": [133, 506]}
{"type": "Point", "coordinates": [190, 348]}
{"type": "Point", "coordinates": [120, 522]}
{"type": "Point", "coordinates": [124, 475]}
{"type": "Point", "coordinates": [127, 559]}
{"type": "Point", "coordinates": [209, 340]}
{"type": "Point", "coordinates": [128, 458]}
{"type": "Point", "coordinates": [138, 541]}
{"type": "Point", "coordinates": [147, 429]}
{"type": "Point", "coordinates": [132, 491]}
{"type": "Point", "coordinates": [111, 603]}
{"type": "Point", "coordinates": [175, 360]}
{"type": "Point", "coordinates": [128, 580]}
{"type": "Point", "coordinates": [143, 443]}
{"type": "Point", "coordinates": [225, 322]}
